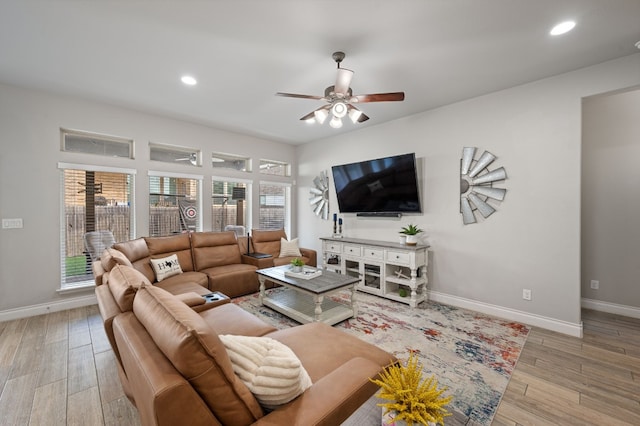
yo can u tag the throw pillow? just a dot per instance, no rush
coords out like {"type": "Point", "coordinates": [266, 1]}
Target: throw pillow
{"type": "Point", "coordinates": [269, 368]}
{"type": "Point", "coordinates": [289, 248]}
{"type": "Point", "coordinates": [166, 267]}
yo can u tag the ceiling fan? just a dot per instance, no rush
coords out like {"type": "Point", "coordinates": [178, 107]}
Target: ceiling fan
{"type": "Point", "coordinates": [340, 99]}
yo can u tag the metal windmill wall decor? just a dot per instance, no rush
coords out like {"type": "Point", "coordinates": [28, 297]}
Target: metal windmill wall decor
{"type": "Point", "coordinates": [319, 195]}
{"type": "Point", "coordinates": [477, 185]}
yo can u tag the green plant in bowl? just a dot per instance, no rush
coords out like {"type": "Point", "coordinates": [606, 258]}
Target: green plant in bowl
{"type": "Point", "coordinates": [411, 229]}
{"type": "Point", "coordinates": [297, 264]}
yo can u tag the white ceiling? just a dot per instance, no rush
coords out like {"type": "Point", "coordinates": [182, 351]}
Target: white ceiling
{"type": "Point", "coordinates": [132, 53]}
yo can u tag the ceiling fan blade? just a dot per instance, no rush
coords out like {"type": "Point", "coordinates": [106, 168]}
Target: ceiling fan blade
{"type": "Point", "coordinates": [343, 81]}
{"type": "Point", "coordinates": [294, 95]}
{"type": "Point", "coordinates": [378, 97]}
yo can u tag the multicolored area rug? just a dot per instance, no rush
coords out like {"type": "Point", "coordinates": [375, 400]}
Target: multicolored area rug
{"type": "Point", "coordinates": [470, 353]}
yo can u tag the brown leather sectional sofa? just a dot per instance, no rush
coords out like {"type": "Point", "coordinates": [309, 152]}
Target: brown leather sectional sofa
{"type": "Point", "coordinates": [173, 364]}
{"type": "Point", "coordinates": [217, 261]}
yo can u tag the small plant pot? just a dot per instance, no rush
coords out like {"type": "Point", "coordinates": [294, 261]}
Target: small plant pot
{"type": "Point", "coordinates": [296, 268]}
{"type": "Point", "coordinates": [412, 240]}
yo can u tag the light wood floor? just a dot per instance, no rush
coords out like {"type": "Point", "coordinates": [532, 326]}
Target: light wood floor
{"type": "Point", "coordinates": [560, 380]}
{"type": "Point", "coordinates": [59, 369]}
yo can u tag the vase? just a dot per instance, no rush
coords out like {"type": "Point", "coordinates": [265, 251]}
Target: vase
{"type": "Point", "coordinates": [412, 240]}
{"type": "Point", "coordinates": [388, 420]}
{"type": "Point", "coordinates": [296, 269]}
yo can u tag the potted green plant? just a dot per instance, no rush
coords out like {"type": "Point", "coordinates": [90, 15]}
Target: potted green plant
{"type": "Point", "coordinates": [411, 231]}
{"type": "Point", "coordinates": [297, 264]}
{"type": "Point", "coordinates": [412, 400]}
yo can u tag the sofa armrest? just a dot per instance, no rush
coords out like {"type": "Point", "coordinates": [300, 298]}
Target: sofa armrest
{"type": "Point", "coordinates": [330, 400]}
{"type": "Point", "coordinates": [312, 255]}
{"type": "Point", "coordinates": [191, 299]}
{"type": "Point", "coordinates": [98, 272]}
{"type": "Point", "coordinates": [266, 262]}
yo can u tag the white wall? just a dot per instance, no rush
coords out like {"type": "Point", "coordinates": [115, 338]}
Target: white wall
{"type": "Point", "coordinates": [533, 241]}
{"type": "Point", "coordinates": [611, 199]}
{"type": "Point", "coordinates": [30, 124]}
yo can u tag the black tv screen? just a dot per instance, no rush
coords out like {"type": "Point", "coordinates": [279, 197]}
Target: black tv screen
{"type": "Point", "coordinates": [383, 185]}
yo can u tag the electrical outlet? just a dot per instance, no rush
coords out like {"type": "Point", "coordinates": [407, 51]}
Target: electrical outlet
{"type": "Point", "coordinates": [595, 284]}
{"type": "Point", "coordinates": [12, 223]}
{"type": "Point", "coordinates": [526, 294]}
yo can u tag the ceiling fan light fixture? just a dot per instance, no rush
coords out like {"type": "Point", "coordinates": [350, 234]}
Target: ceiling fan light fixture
{"type": "Point", "coordinates": [354, 115]}
{"type": "Point", "coordinates": [339, 109]}
{"type": "Point", "coordinates": [335, 122]}
{"type": "Point", "coordinates": [320, 115]}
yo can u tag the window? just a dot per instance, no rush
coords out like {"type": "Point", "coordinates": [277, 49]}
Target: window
{"type": "Point", "coordinates": [175, 154]}
{"type": "Point", "coordinates": [174, 203]}
{"type": "Point", "coordinates": [276, 168]}
{"type": "Point", "coordinates": [228, 161]}
{"type": "Point", "coordinates": [93, 143]}
{"type": "Point", "coordinates": [229, 205]}
{"type": "Point", "coordinates": [94, 199]}
{"type": "Point", "coordinates": [274, 206]}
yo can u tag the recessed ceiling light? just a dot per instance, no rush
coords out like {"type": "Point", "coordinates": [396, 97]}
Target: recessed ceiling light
{"type": "Point", "coordinates": [562, 28]}
{"type": "Point", "coordinates": [188, 80]}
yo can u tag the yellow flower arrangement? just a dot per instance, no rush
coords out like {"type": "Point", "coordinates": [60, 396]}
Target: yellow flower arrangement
{"type": "Point", "coordinates": [413, 400]}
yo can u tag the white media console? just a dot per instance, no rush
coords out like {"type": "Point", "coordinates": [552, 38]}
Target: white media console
{"type": "Point", "coordinates": [394, 271]}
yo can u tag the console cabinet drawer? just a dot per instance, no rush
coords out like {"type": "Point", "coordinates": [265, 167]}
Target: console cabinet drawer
{"type": "Point", "coordinates": [398, 257]}
{"type": "Point", "coordinates": [354, 250]}
{"type": "Point", "coordinates": [333, 247]}
{"type": "Point", "coordinates": [373, 253]}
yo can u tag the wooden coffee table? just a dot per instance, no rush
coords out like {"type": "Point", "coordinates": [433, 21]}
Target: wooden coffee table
{"type": "Point", "coordinates": [304, 300]}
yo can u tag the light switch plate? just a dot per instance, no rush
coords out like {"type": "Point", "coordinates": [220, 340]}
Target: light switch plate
{"type": "Point", "coordinates": [12, 223]}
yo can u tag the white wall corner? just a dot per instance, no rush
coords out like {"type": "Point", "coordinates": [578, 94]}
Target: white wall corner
{"type": "Point", "coordinates": [611, 308]}
{"type": "Point", "coordinates": [47, 308]}
{"type": "Point", "coordinates": [571, 329]}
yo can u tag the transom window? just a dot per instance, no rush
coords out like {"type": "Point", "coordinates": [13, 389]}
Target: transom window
{"type": "Point", "coordinates": [276, 168]}
{"type": "Point", "coordinates": [175, 154]}
{"type": "Point", "coordinates": [94, 143]}
{"type": "Point", "coordinates": [229, 161]}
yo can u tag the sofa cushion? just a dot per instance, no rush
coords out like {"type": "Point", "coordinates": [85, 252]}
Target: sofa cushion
{"type": "Point", "coordinates": [166, 267]}
{"type": "Point", "coordinates": [195, 350]}
{"type": "Point", "coordinates": [138, 254]}
{"type": "Point", "coordinates": [211, 249]}
{"type": "Point", "coordinates": [185, 281]}
{"type": "Point", "coordinates": [233, 280]}
{"type": "Point", "coordinates": [271, 371]}
{"type": "Point", "coordinates": [232, 319]}
{"type": "Point", "coordinates": [124, 281]}
{"type": "Point", "coordinates": [111, 257]}
{"type": "Point", "coordinates": [267, 241]}
{"type": "Point", "coordinates": [179, 244]}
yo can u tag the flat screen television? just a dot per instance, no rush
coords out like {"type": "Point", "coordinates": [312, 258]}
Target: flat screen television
{"type": "Point", "coordinates": [383, 185]}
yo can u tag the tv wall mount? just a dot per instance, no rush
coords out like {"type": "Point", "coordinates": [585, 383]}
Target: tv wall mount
{"type": "Point", "coordinates": [319, 195]}
{"type": "Point", "coordinates": [478, 185]}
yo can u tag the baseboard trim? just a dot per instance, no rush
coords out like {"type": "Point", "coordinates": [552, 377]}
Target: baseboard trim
{"type": "Point", "coordinates": [611, 308]}
{"type": "Point", "coordinates": [572, 329]}
{"type": "Point", "coordinates": [46, 308]}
